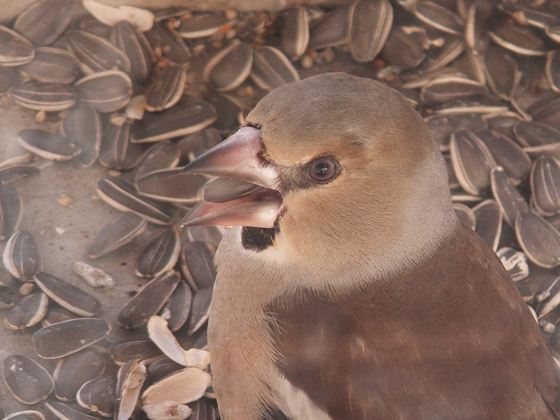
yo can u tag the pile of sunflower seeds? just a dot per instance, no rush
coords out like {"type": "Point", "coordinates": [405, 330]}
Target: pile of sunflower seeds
{"type": "Point", "coordinates": [142, 93]}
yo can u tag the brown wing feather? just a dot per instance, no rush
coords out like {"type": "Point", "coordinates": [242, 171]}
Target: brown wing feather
{"type": "Point", "coordinates": [450, 339]}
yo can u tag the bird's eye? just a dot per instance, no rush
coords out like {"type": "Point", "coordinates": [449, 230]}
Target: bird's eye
{"type": "Point", "coordinates": [324, 169]}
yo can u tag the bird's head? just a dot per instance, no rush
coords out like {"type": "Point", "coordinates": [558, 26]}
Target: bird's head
{"type": "Point", "coordinates": [346, 169]}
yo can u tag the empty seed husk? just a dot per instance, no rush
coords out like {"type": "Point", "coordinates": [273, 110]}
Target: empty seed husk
{"type": "Point", "coordinates": [166, 88]}
{"type": "Point", "coordinates": [117, 233]}
{"type": "Point", "coordinates": [271, 68]}
{"type": "Point", "coordinates": [83, 126]}
{"type": "Point", "coordinates": [64, 411]}
{"type": "Point", "coordinates": [200, 310]}
{"type": "Point", "coordinates": [25, 415]}
{"type": "Point", "coordinates": [26, 379]}
{"type": "Point", "coordinates": [295, 35]}
{"type": "Point", "coordinates": [73, 371]}
{"type": "Point", "coordinates": [229, 67]}
{"type": "Point", "coordinates": [42, 22]}
{"type": "Point", "coordinates": [371, 22]}
{"type": "Point", "coordinates": [130, 380]}
{"type": "Point", "coordinates": [15, 50]}
{"type": "Point", "coordinates": [164, 155]}
{"type": "Point", "coordinates": [178, 307]}
{"type": "Point", "coordinates": [439, 17]}
{"type": "Point", "coordinates": [197, 265]}
{"type": "Point", "coordinates": [11, 210]}
{"type": "Point", "coordinates": [48, 145]}
{"type": "Point", "coordinates": [122, 195]}
{"type": "Point", "coordinates": [545, 185]}
{"type": "Point", "coordinates": [188, 116]}
{"type": "Point", "coordinates": [21, 255]}
{"type": "Point", "coordinates": [67, 295]}
{"type": "Point", "coordinates": [141, 349]}
{"type": "Point", "coordinates": [106, 91]}
{"type": "Point", "coordinates": [172, 185]}
{"type": "Point", "coordinates": [98, 395]}
{"type": "Point", "coordinates": [160, 255]}
{"type": "Point", "coordinates": [202, 25]}
{"type": "Point", "coordinates": [136, 47]}
{"type": "Point", "coordinates": [96, 54]}
{"type": "Point", "coordinates": [333, 29]}
{"type": "Point", "coordinates": [28, 312]}
{"type": "Point", "coordinates": [149, 300]}
{"type": "Point", "coordinates": [509, 199]}
{"type": "Point", "coordinates": [161, 368]}
{"type": "Point", "coordinates": [162, 337]}
{"type": "Point", "coordinates": [68, 337]}
{"type": "Point", "coordinates": [94, 277]}
{"type": "Point", "coordinates": [517, 39]}
{"type": "Point", "coordinates": [52, 65]}
{"type": "Point", "coordinates": [41, 96]}
{"type": "Point", "coordinates": [489, 222]}
{"type": "Point", "coordinates": [539, 239]}
{"type": "Point", "coordinates": [181, 387]}
{"type": "Point", "coordinates": [117, 150]}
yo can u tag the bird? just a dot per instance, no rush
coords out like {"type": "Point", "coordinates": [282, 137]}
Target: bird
{"type": "Point", "coordinates": [346, 286]}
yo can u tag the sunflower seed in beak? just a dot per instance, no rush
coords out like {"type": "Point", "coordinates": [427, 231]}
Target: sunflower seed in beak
{"type": "Point", "coordinates": [202, 25]}
{"type": "Point", "coordinates": [26, 379]}
{"type": "Point", "coordinates": [107, 91]}
{"type": "Point", "coordinates": [28, 312]}
{"type": "Point", "coordinates": [200, 310]}
{"type": "Point", "coordinates": [295, 35]}
{"type": "Point", "coordinates": [68, 337]}
{"type": "Point", "coordinates": [65, 411]}
{"type": "Point", "coordinates": [160, 255]}
{"type": "Point", "coordinates": [402, 49]}
{"type": "Point", "coordinates": [134, 44]}
{"type": "Point", "coordinates": [43, 96]}
{"type": "Point", "coordinates": [439, 17]}
{"type": "Point", "coordinates": [188, 116]}
{"type": "Point", "coordinates": [539, 239]}
{"type": "Point", "coordinates": [67, 295]}
{"type": "Point", "coordinates": [489, 222]}
{"type": "Point", "coordinates": [178, 307]}
{"type": "Point", "coordinates": [10, 211]}
{"type": "Point", "coordinates": [371, 22]}
{"type": "Point", "coordinates": [271, 68]}
{"type": "Point", "coordinates": [98, 396]}
{"type": "Point", "coordinates": [73, 371]}
{"type": "Point", "coordinates": [507, 196]}
{"type": "Point", "coordinates": [502, 72]}
{"type": "Point", "coordinates": [545, 186]}
{"type": "Point", "coordinates": [96, 54]}
{"type": "Point", "coordinates": [181, 387]}
{"type": "Point", "coordinates": [52, 65]}
{"type": "Point", "coordinates": [164, 39]}
{"type": "Point", "coordinates": [149, 300]}
{"type": "Point", "coordinates": [130, 380]}
{"type": "Point", "coordinates": [117, 150]}
{"type": "Point", "coordinates": [26, 415]}
{"type": "Point", "coordinates": [466, 215]}
{"type": "Point", "coordinates": [121, 194]}
{"type": "Point", "coordinates": [117, 233]}
{"type": "Point", "coordinates": [83, 126]}
{"type": "Point", "coordinates": [48, 145]}
{"type": "Point", "coordinates": [517, 39]}
{"type": "Point", "coordinates": [446, 88]}
{"type": "Point", "coordinates": [137, 349]}
{"type": "Point", "coordinates": [166, 88]}
{"type": "Point", "coordinates": [21, 255]}
{"type": "Point", "coordinates": [333, 30]}
{"type": "Point", "coordinates": [172, 185]}
{"type": "Point", "coordinates": [197, 265]}
{"type": "Point", "coordinates": [43, 22]}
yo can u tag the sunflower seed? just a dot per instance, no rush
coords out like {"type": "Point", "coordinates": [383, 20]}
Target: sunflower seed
{"type": "Point", "coordinates": [65, 411]}
{"type": "Point", "coordinates": [229, 109]}
{"type": "Point", "coordinates": [204, 409]}
{"type": "Point", "coordinates": [172, 185]}
{"type": "Point", "coordinates": [553, 32]}
{"type": "Point", "coordinates": [195, 144]}
{"type": "Point", "coordinates": [73, 371]}
{"type": "Point", "coordinates": [202, 25]}
{"type": "Point", "coordinates": [136, 47]}
{"type": "Point", "coordinates": [445, 89]}
{"type": "Point", "coordinates": [439, 17]}
{"type": "Point", "coordinates": [439, 58]}
{"type": "Point", "coordinates": [371, 22]}
{"type": "Point", "coordinates": [502, 72]}
{"type": "Point", "coordinates": [161, 368]}
{"type": "Point", "coordinates": [181, 387]}
{"type": "Point", "coordinates": [489, 222]}
{"type": "Point", "coordinates": [295, 35]}
{"type": "Point", "coordinates": [485, 105]}
{"type": "Point", "coordinates": [553, 70]}
{"type": "Point", "coordinates": [223, 189]}
{"type": "Point", "coordinates": [43, 96]}
{"type": "Point", "coordinates": [166, 88]}
{"type": "Point", "coordinates": [547, 111]}
{"type": "Point", "coordinates": [443, 126]}
{"type": "Point", "coordinates": [130, 380]}
{"type": "Point", "coordinates": [197, 265]}
{"type": "Point", "coordinates": [476, 29]}
{"type": "Point", "coordinates": [168, 43]}
{"type": "Point", "coordinates": [149, 300]}
{"type": "Point", "coordinates": [403, 50]}
{"type": "Point", "coordinates": [67, 295]}
{"type": "Point", "coordinates": [271, 68]}
{"type": "Point", "coordinates": [28, 312]}
{"type": "Point", "coordinates": [545, 186]}
{"type": "Point", "coordinates": [121, 194]}
{"type": "Point", "coordinates": [107, 91]}
{"type": "Point", "coordinates": [26, 379]}
{"type": "Point", "coordinates": [472, 66]}
{"type": "Point", "coordinates": [141, 18]}
{"type": "Point", "coordinates": [117, 233]}
{"type": "Point", "coordinates": [15, 50]}
{"type": "Point", "coordinates": [52, 65]}
{"type": "Point", "coordinates": [21, 256]}
{"type": "Point", "coordinates": [210, 235]}
{"type": "Point", "coordinates": [95, 53]}
{"type": "Point", "coordinates": [539, 239]}
{"type": "Point", "coordinates": [141, 349]}
{"type": "Point", "coordinates": [42, 23]}
{"type": "Point", "coordinates": [25, 415]}
{"type": "Point", "coordinates": [529, 16]}
{"type": "Point", "coordinates": [95, 27]}
{"type": "Point", "coordinates": [230, 67]}
{"type": "Point", "coordinates": [83, 126]}
{"type": "Point", "coordinates": [188, 116]}
{"type": "Point", "coordinates": [164, 155]}
{"type": "Point", "coordinates": [57, 315]}
{"type": "Point", "coordinates": [98, 395]}
{"type": "Point", "coordinates": [514, 262]}
{"type": "Point", "coordinates": [10, 211]}
{"type": "Point", "coordinates": [200, 310]}
{"type": "Point", "coordinates": [160, 255]}
{"type": "Point", "coordinates": [178, 306]}
{"type": "Point", "coordinates": [534, 136]}
{"type": "Point", "coordinates": [68, 337]}
{"type": "Point", "coordinates": [48, 145]}
{"type": "Point", "coordinates": [465, 215]}
{"type": "Point", "coordinates": [117, 149]}
{"type": "Point", "coordinates": [333, 30]}
{"type": "Point", "coordinates": [8, 78]}
{"type": "Point", "coordinates": [518, 39]}
{"type": "Point", "coordinates": [509, 199]}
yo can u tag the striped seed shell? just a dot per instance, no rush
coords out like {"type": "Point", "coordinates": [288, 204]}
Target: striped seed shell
{"type": "Point", "coordinates": [163, 155]}
{"type": "Point", "coordinates": [210, 235]}
{"type": "Point", "coordinates": [98, 395]}
{"type": "Point", "coordinates": [547, 111]}
{"type": "Point", "coordinates": [96, 54]}
{"type": "Point", "coordinates": [134, 44]}
{"type": "Point", "coordinates": [472, 161]}
{"type": "Point", "coordinates": [28, 312]}
{"type": "Point", "coordinates": [197, 265]}
{"type": "Point", "coordinates": [483, 105]}
{"type": "Point", "coordinates": [68, 337]}
{"type": "Point", "coordinates": [552, 70]}
{"type": "Point", "coordinates": [121, 194]}
{"type": "Point", "coordinates": [545, 186]}
{"type": "Point", "coordinates": [8, 78]}
{"type": "Point", "coordinates": [48, 145]}
{"type": "Point", "coordinates": [65, 411]}
{"type": "Point", "coordinates": [106, 91]}
{"type": "Point", "coordinates": [295, 34]}
{"type": "Point", "coordinates": [200, 310]}
{"type": "Point", "coordinates": [188, 116]}
{"type": "Point", "coordinates": [271, 68]}
{"type": "Point", "coordinates": [534, 135]}
{"type": "Point", "coordinates": [73, 371]}
{"type": "Point", "coordinates": [161, 367]}
{"type": "Point", "coordinates": [466, 215]}
{"type": "Point", "coordinates": [57, 315]}
{"type": "Point", "coordinates": [443, 126]}
{"type": "Point", "coordinates": [172, 186]}
{"type": "Point", "coordinates": [509, 199]}
{"type": "Point", "coordinates": [229, 68]}
{"type": "Point", "coordinates": [117, 149]}
{"type": "Point", "coordinates": [489, 222]}
{"type": "Point", "coordinates": [439, 17]}
{"type": "Point", "coordinates": [403, 49]}
{"type": "Point", "coordinates": [42, 22]}
{"type": "Point", "coordinates": [539, 239]}
{"type": "Point", "coordinates": [130, 379]}
{"type": "Point", "coordinates": [449, 88]}
{"type": "Point", "coordinates": [166, 88]}
{"type": "Point", "coordinates": [67, 295]}
{"type": "Point", "coordinates": [181, 387]}
{"type": "Point", "coordinates": [476, 29]}
{"type": "Point", "coordinates": [202, 25]}
{"type": "Point", "coordinates": [193, 145]}
{"type": "Point", "coordinates": [502, 72]}
{"type": "Point", "coordinates": [52, 65]}
{"type": "Point", "coordinates": [149, 300]}
{"type": "Point", "coordinates": [15, 50]}
{"type": "Point", "coordinates": [43, 96]}
{"type": "Point", "coordinates": [26, 379]}
{"type": "Point", "coordinates": [136, 349]}
{"type": "Point", "coordinates": [25, 415]}
{"type": "Point", "coordinates": [11, 210]}
{"type": "Point", "coordinates": [117, 233]}
{"type": "Point", "coordinates": [95, 27]}
{"type": "Point", "coordinates": [160, 255]}
{"type": "Point", "coordinates": [333, 29]}
{"type": "Point", "coordinates": [21, 255]}
{"type": "Point", "coordinates": [518, 39]}
{"type": "Point", "coordinates": [371, 22]}
{"type": "Point", "coordinates": [166, 42]}
{"type": "Point", "coordinates": [178, 307]}
{"type": "Point", "coordinates": [83, 126]}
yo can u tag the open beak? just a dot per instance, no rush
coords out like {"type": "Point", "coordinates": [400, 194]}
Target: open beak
{"type": "Point", "coordinates": [239, 157]}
